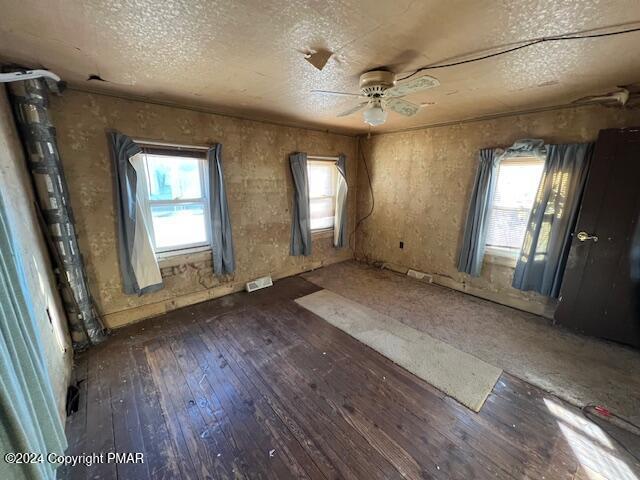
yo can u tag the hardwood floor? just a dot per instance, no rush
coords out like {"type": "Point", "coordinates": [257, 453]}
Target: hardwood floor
{"type": "Point", "coordinates": [254, 386]}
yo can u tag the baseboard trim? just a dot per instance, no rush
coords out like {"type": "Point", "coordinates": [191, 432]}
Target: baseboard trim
{"type": "Point", "coordinates": [536, 308]}
{"type": "Point", "coordinates": [126, 317]}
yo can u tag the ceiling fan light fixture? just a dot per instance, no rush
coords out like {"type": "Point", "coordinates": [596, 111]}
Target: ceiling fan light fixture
{"type": "Point", "coordinates": [375, 115]}
{"type": "Point", "coordinates": [379, 93]}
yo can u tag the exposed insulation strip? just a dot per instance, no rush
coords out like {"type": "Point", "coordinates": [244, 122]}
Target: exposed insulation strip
{"type": "Point", "coordinates": [30, 100]}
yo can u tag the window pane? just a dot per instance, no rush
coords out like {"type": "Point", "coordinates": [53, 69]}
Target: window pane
{"type": "Point", "coordinates": [173, 178]}
{"type": "Point", "coordinates": [322, 191]}
{"type": "Point", "coordinates": [517, 184]}
{"type": "Point", "coordinates": [321, 212]}
{"type": "Point", "coordinates": [516, 189]}
{"type": "Point", "coordinates": [322, 182]}
{"type": "Point", "coordinates": [178, 225]}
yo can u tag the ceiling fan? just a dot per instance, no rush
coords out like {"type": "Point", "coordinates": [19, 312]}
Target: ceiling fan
{"type": "Point", "coordinates": [380, 93]}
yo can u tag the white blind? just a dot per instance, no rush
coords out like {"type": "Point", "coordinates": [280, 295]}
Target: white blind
{"type": "Point", "coordinates": [516, 188]}
{"type": "Point", "coordinates": [322, 193]}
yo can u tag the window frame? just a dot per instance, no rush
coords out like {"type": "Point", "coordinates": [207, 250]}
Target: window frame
{"type": "Point", "coordinates": [497, 251]}
{"type": "Point", "coordinates": [204, 200]}
{"type": "Point", "coordinates": [497, 254]}
{"type": "Point", "coordinates": [334, 174]}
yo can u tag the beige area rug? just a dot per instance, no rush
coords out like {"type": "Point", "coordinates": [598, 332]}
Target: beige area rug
{"type": "Point", "coordinates": [458, 374]}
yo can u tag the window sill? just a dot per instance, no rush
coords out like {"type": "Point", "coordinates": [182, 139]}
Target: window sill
{"type": "Point", "coordinates": [172, 259]}
{"type": "Point", "coordinates": [324, 233]}
{"type": "Point", "coordinates": [500, 256]}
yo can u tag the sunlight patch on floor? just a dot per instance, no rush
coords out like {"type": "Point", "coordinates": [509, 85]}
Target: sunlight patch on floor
{"type": "Point", "coordinates": [590, 444]}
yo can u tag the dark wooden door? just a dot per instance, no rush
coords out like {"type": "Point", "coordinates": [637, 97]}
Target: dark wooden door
{"type": "Point", "coordinates": [597, 296]}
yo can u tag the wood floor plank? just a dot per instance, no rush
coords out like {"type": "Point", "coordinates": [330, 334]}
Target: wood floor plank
{"type": "Point", "coordinates": [255, 383]}
{"type": "Point", "coordinates": [161, 454]}
{"type": "Point", "coordinates": [211, 445]}
{"type": "Point", "coordinates": [215, 397]}
{"type": "Point", "coordinates": [127, 429]}
{"type": "Point", "coordinates": [76, 426]}
{"type": "Point", "coordinates": [362, 453]}
{"type": "Point", "coordinates": [255, 386]}
{"type": "Point", "coordinates": [385, 431]}
{"type": "Point", "coordinates": [100, 437]}
{"type": "Point", "coordinates": [184, 420]}
{"type": "Point", "coordinates": [547, 446]}
{"type": "Point", "coordinates": [345, 348]}
{"type": "Point", "coordinates": [314, 384]}
{"type": "Point", "coordinates": [307, 418]}
{"type": "Point", "coordinates": [297, 460]}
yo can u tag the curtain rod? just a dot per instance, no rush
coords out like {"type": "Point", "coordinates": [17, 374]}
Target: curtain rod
{"type": "Point", "coordinates": [318, 157]}
{"type": "Point", "coordinates": [172, 145]}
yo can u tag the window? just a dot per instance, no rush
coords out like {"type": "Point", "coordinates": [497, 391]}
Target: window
{"type": "Point", "coordinates": [322, 193]}
{"type": "Point", "coordinates": [178, 206]}
{"type": "Point", "coordinates": [516, 187]}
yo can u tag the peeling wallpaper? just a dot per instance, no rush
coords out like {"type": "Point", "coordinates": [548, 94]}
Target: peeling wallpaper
{"type": "Point", "coordinates": [422, 180]}
{"type": "Point", "coordinates": [259, 190]}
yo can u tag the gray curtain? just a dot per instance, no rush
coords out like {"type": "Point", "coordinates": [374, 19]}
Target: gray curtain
{"type": "Point", "coordinates": [300, 221]}
{"type": "Point", "coordinates": [545, 249]}
{"type": "Point", "coordinates": [475, 230]}
{"type": "Point", "coordinates": [28, 413]}
{"type": "Point", "coordinates": [221, 237]}
{"type": "Point", "coordinates": [340, 225]}
{"type": "Point", "coordinates": [134, 248]}
{"type": "Point", "coordinates": [122, 149]}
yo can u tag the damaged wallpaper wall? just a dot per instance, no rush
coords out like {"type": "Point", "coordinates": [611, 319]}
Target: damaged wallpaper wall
{"type": "Point", "coordinates": [427, 175]}
{"type": "Point", "coordinates": [259, 189]}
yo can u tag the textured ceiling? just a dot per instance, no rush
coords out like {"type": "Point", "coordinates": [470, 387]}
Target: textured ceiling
{"type": "Point", "coordinates": [245, 57]}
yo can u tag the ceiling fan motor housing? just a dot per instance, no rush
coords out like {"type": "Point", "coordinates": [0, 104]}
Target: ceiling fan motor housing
{"type": "Point", "coordinates": [374, 83]}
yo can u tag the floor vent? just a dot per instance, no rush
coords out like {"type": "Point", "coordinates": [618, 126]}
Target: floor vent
{"type": "Point", "coordinates": [73, 399]}
{"type": "Point", "coordinates": [258, 283]}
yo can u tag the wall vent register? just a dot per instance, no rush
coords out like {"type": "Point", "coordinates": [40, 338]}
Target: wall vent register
{"type": "Point", "coordinates": [259, 283]}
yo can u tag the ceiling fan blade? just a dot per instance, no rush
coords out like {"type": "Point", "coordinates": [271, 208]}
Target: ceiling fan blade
{"type": "Point", "coordinates": [338, 94]}
{"type": "Point", "coordinates": [353, 109]}
{"type": "Point", "coordinates": [402, 107]}
{"type": "Point", "coordinates": [412, 86]}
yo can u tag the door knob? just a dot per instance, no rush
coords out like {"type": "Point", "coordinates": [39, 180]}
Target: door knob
{"type": "Point", "coordinates": [584, 236]}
